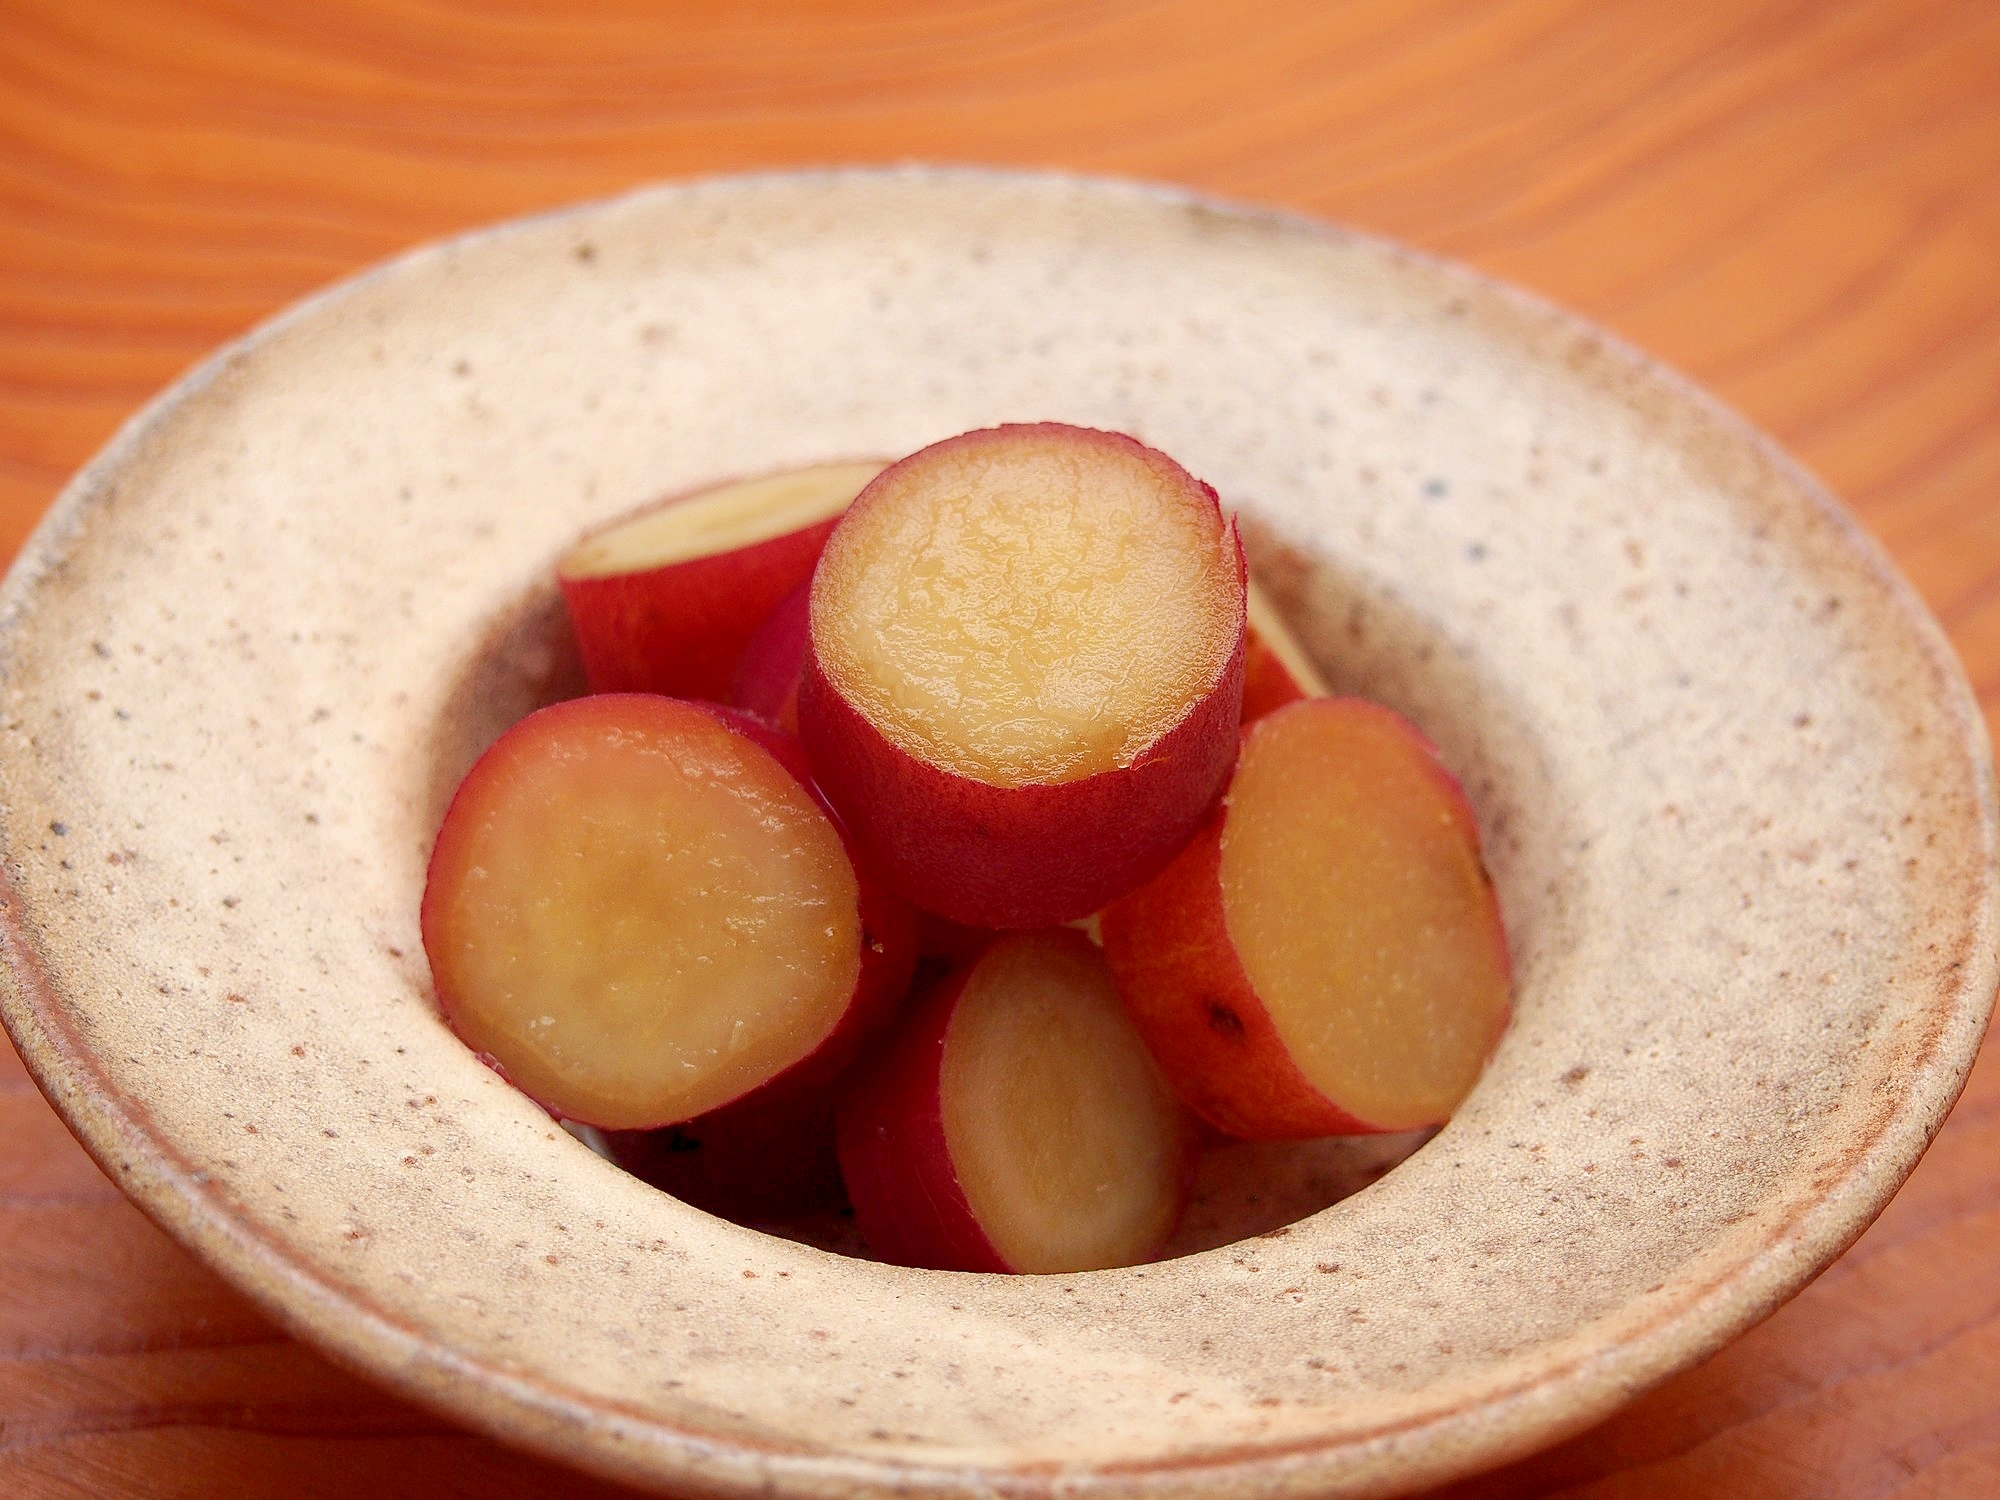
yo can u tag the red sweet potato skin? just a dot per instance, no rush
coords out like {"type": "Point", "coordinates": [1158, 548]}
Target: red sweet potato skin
{"type": "Point", "coordinates": [1178, 977]}
{"type": "Point", "coordinates": [755, 1159]}
{"type": "Point", "coordinates": [767, 673]}
{"type": "Point", "coordinates": [894, 1157]}
{"type": "Point", "coordinates": [680, 629]}
{"type": "Point", "coordinates": [1267, 682]}
{"type": "Point", "coordinates": [1020, 856]}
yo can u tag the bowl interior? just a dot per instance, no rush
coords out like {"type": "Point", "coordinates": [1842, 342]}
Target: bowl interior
{"type": "Point", "coordinates": [1732, 787]}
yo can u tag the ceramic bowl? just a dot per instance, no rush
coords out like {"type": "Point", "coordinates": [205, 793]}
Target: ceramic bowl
{"type": "Point", "coordinates": [1733, 787]}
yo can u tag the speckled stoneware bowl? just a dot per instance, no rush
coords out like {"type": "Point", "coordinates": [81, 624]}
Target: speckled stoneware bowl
{"type": "Point", "coordinates": [1736, 796]}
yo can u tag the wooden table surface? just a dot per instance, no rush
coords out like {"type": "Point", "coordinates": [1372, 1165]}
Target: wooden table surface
{"type": "Point", "coordinates": [1796, 201]}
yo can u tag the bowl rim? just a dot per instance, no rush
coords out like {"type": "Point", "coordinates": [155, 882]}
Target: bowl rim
{"type": "Point", "coordinates": [1565, 1396]}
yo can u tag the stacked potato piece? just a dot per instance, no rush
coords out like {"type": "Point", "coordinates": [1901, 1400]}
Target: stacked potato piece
{"type": "Point", "coordinates": [827, 940]}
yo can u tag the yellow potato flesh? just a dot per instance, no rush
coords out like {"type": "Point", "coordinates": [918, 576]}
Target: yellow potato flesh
{"type": "Point", "coordinates": [720, 520]}
{"type": "Point", "coordinates": [1027, 616]}
{"type": "Point", "coordinates": [1354, 897]}
{"type": "Point", "coordinates": [1066, 1143]}
{"type": "Point", "coordinates": [649, 926]}
{"type": "Point", "coordinates": [1271, 629]}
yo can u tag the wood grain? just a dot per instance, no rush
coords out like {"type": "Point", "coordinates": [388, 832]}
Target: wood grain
{"type": "Point", "coordinates": [1797, 201]}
